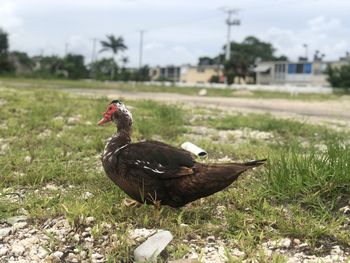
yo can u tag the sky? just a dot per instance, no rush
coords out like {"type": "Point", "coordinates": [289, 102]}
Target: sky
{"type": "Point", "coordinates": [176, 31]}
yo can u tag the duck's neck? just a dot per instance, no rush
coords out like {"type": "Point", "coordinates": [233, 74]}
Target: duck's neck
{"type": "Point", "coordinates": [121, 138]}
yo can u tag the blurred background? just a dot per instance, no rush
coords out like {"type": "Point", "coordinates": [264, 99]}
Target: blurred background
{"type": "Point", "coordinates": [271, 42]}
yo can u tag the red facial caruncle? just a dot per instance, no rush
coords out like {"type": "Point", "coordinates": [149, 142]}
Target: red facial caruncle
{"type": "Point", "coordinates": [107, 116]}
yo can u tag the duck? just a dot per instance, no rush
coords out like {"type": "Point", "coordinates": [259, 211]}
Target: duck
{"type": "Point", "coordinates": [157, 173]}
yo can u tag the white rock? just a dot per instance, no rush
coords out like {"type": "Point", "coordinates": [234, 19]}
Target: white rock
{"type": "Point", "coordinates": [19, 225]}
{"type": "Point", "coordinates": [285, 243]}
{"type": "Point", "coordinates": [237, 253]}
{"type": "Point", "coordinates": [96, 256]}
{"type": "Point", "coordinates": [27, 159]}
{"type": "Point", "coordinates": [202, 92]}
{"type": "Point", "coordinates": [345, 210]}
{"type": "Point", "coordinates": [4, 232]}
{"type": "Point", "coordinates": [57, 254]}
{"type": "Point", "coordinates": [72, 258]}
{"type": "Point", "coordinates": [89, 220]}
{"type": "Point", "coordinates": [18, 249]}
{"type": "Point", "coordinates": [42, 253]}
{"type": "Point", "coordinates": [153, 246]}
{"type": "Point", "coordinates": [3, 251]}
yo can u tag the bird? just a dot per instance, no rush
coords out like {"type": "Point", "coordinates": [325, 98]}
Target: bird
{"type": "Point", "coordinates": [157, 173]}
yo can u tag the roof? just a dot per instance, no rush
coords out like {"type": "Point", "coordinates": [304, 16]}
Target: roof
{"type": "Point", "coordinates": [262, 68]}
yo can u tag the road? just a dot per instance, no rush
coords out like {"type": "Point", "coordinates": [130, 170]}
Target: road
{"type": "Point", "coordinates": [327, 110]}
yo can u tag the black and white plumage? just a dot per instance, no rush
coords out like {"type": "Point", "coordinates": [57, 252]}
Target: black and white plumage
{"type": "Point", "coordinates": [155, 172]}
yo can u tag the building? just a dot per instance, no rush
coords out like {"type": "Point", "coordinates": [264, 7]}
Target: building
{"type": "Point", "coordinates": [187, 73]}
{"type": "Point", "coordinates": [302, 73]}
{"type": "Point", "coordinates": [168, 73]}
{"type": "Point", "coordinates": [201, 74]}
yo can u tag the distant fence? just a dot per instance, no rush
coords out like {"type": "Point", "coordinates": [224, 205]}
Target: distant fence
{"type": "Point", "coordinates": [280, 88]}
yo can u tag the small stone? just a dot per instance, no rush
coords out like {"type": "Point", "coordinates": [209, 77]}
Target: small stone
{"type": "Point", "coordinates": [237, 253]}
{"type": "Point", "coordinates": [183, 225]}
{"type": "Point", "coordinates": [89, 239]}
{"type": "Point", "coordinates": [83, 254]}
{"type": "Point", "coordinates": [76, 237]}
{"type": "Point", "coordinates": [16, 219]}
{"type": "Point", "coordinates": [27, 159]}
{"type": "Point", "coordinates": [18, 249]}
{"type": "Point", "coordinates": [57, 254]}
{"type": "Point", "coordinates": [96, 256]}
{"type": "Point", "coordinates": [3, 251]}
{"type": "Point", "coordinates": [202, 92]}
{"type": "Point", "coordinates": [4, 232]}
{"type": "Point", "coordinates": [19, 225]}
{"type": "Point", "coordinates": [296, 241]}
{"type": "Point", "coordinates": [89, 220]}
{"type": "Point", "coordinates": [42, 253]}
{"type": "Point", "coordinates": [285, 243]}
{"type": "Point", "coordinates": [51, 187]}
{"type": "Point", "coordinates": [72, 258]}
{"type": "Point", "coordinates": [345, 210]}
{"type": "Point", "coordinates": [153, 246]}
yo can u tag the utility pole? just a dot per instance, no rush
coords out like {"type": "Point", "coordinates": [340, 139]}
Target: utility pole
{"type": "Point", "coordinates": [230, 22]}
{"type": "Point", "coordinates": [93, 58]}
{"type": "Point", "coordinates": [141, 48]}
{"type": "Point", "coordinates": [306, 51]}
{"type": "Point", "coordinates": [66, 46]}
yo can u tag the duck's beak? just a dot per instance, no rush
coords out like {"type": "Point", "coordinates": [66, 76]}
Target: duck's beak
{"type": "Point", "coordinates": [103, 121]}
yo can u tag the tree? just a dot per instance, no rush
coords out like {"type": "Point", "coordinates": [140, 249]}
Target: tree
{"type": "Point", "coordinates": [5, 65]}
{"type": "Point", "coordinates": [102, 68]}
{"type": "Point", "coordinates": [339, 77]}
{"type": "Point", "coordinates": [74, 65]}
{"type": "Point", "coordinates": [114, 45]}
{"type": "Point", "coordinates": [244, 55]}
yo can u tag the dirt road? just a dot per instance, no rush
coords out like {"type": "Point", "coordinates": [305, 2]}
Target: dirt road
{"type": "Point", "coordinates": [330, 110]}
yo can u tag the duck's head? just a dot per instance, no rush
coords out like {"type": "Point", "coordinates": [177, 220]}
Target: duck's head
{"type": "Point", "coordinates": [118, 113]}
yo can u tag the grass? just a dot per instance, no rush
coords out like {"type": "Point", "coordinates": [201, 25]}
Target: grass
{"type": "Point", "coordinates": [51, 137]}
{"type": "Point", "coordinates": [139, 87]}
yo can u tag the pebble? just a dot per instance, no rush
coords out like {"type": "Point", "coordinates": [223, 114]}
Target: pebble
{"type": "Point", "coordinates": [72, 258]}
{"type": "Point", "coordinates": [18, 249]}
{"type": "Point", "coordinates": [285, 243]}
{"type": "Point", "coordinates": [4, 232]}
{"type": "Point", "coordinates": [57, 254]}
{"type": "Point", "coordinates": [345, 210]}
{"type": "Point", "coordinates": [16, 219]}
{"type": "Point", "coordinates": [3, 251]}
{"type": "Point", "coordinates": [27, 159]}
{"type": "Point", "coordinates": [89, 220]}
{"type": "Point", "coordinates": [19, 225]}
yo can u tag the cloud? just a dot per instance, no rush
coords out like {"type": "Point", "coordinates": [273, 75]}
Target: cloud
{"type": "Point", "coordinates": [9, 20]}
{"type": "Point", "coordinates": [319, 33]}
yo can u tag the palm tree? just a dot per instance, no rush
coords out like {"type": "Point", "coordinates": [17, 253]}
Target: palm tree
{"type": "Point", "coordinates": [114, 45]}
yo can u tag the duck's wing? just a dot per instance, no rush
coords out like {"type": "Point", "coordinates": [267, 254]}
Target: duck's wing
{"type": "Point", "coordinates": [159, 159]}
